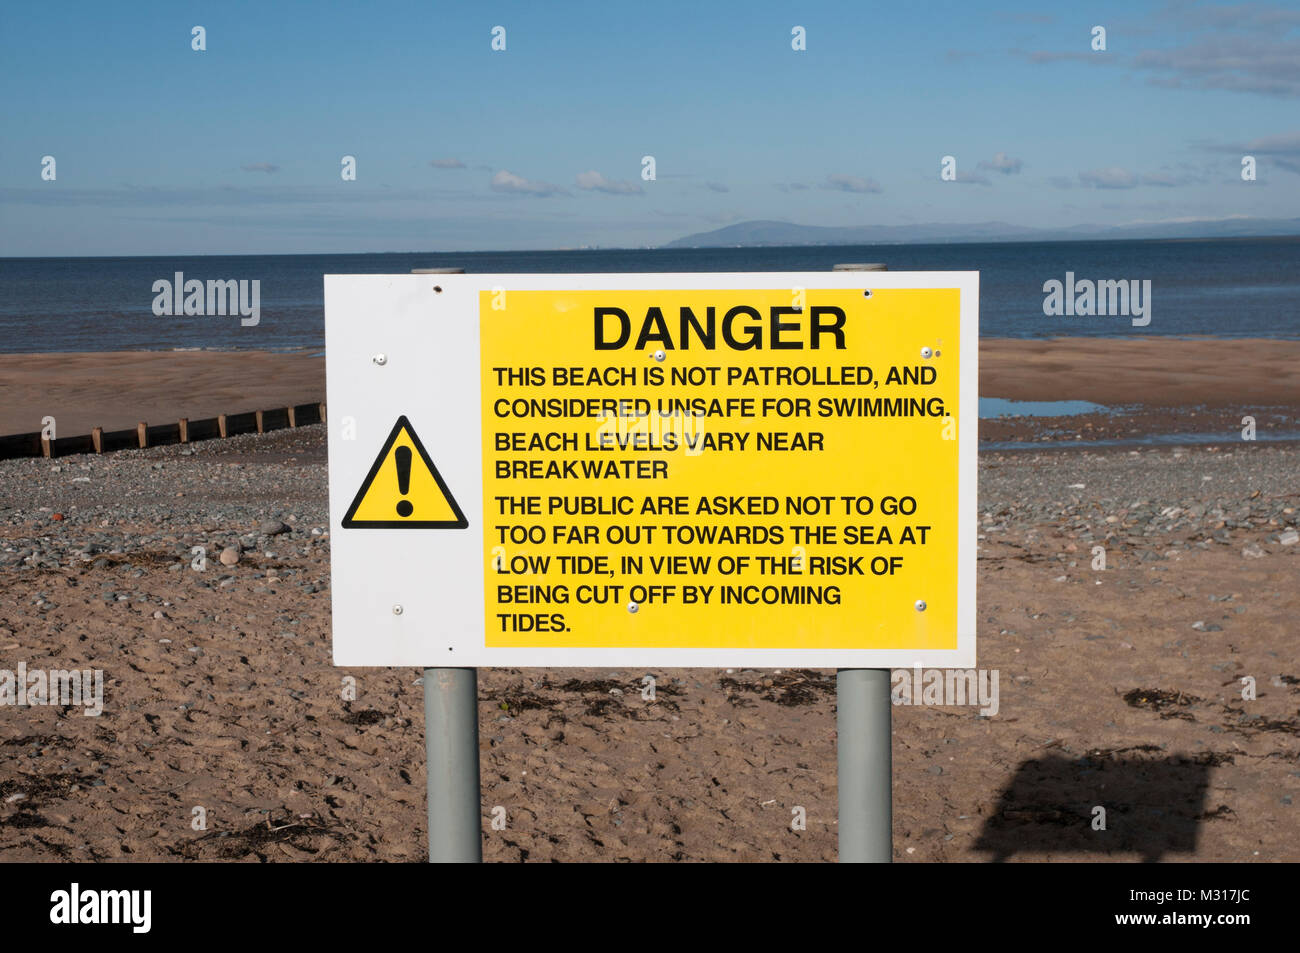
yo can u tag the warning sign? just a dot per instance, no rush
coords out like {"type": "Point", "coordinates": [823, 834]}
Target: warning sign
{"type": "Point", "coordinates": [721, 468]}
{"type": "Point", "coordinates": [404, 490]}
{"type": "Point", "coordinates": [659, 469]}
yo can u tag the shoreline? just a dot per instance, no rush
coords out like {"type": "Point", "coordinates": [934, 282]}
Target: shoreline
{"type": "Point", "coordinates": [1149, 385]}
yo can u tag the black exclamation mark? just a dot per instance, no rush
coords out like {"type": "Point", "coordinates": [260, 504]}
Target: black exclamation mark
{"type": "Point", "coordinates": [403, 459]}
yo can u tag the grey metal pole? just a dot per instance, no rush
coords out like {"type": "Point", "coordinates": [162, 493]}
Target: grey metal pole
{"type": "Point", "coordinates": [863, 722]}
{"type": "Point", "coordinates": [864, 743]}
{"type": "Point", "coordinates": [451, 749]}
{"type": "Point", "coordinates": [451, 753]}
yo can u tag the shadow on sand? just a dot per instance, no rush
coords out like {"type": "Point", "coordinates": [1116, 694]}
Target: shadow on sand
{"type": "Point", "coordinates": [1153, 806]}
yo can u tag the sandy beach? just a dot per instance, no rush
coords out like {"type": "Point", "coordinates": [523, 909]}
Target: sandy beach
{"type": "Point", "coordinates": [1119, 687]}
{"type": "Point", "coordinates": [86, 390]}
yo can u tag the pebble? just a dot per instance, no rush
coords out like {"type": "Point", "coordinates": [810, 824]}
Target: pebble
{"type": "Point", "coordinates": [229, 556]}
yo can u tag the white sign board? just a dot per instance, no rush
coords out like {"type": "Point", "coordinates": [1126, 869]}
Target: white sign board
{"type": "Point", "coordinates": [653, 470]}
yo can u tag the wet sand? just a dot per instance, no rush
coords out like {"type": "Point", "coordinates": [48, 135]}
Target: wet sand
{"type": "Point", "coordinates": [117, 390]}
{"type": "Point", "coordinates": [1156, 372]}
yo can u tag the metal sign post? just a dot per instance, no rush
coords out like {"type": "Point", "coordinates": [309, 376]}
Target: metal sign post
{"type": "Point", "coordinates": [864, 754]}
{"type": "Point", "coordinates": [864, 750]}
{"type": "Point", "coordinates": [451, 756]}
{"type": "Point", "coordinates": [451, 749]}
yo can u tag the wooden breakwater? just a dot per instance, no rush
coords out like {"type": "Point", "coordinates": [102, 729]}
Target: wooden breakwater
{"type": "Point", "coordinates": [185, 430]}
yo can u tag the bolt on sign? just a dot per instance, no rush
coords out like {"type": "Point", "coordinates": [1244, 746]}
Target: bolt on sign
{"type": "Point", "coordinates": [653, 469]}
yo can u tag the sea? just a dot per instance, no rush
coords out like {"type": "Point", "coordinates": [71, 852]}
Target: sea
{"type": "Point", "coordinates": [1220, 288]}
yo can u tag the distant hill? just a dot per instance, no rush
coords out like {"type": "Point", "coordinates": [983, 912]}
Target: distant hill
{"type": "Point", "coordinates": [786, 233]}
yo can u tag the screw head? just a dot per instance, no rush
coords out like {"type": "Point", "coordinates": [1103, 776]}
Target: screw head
{"type": "Point", "coordinates": [659, 356]}
{"type": "Point", "coordinates": [397, 609]}
{"type": "Point", "coordinates": [380, 359]}
{"type": "Point", "coordinates": [632, 607]}
{"type": "Point", "coordinates": [926, 353]}
{"type": "Point", "coordinates": [920, 605]}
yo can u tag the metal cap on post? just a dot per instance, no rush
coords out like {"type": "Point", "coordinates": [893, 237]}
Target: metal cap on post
{"type": "Point", "coordinates": [864, 747]}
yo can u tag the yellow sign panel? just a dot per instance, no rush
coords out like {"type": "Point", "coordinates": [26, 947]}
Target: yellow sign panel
{"type": "Point", "coordinates": [403, 489]}
{"type": "Point", "coordinates": [721, 468]}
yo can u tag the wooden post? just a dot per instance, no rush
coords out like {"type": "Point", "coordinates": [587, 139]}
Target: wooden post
{"type": "Point", "coordinates": [184, 424]}
{"type": "Point", "coordinates": [97, 438]}
{"type": "Point", "coordinates": [46, 450]}
{"type": "Point", "coordinates": [142, 434]}
{"type": "Point", "coordinates": [292, 422]}
{"type": "Point", "coordinates": [258, 415]}
{"type": "Point", "coordinates": [322, 412]}
{"type": "Point", "coordinates": [221, 425]}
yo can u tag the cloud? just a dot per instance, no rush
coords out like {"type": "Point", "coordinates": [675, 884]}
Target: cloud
{"type": "Point", "coordinates": [1110, 178]}
{"type": "Point", "coordinates": [1039, 57]}
{"type": "Point", "coordinates": [261, 167]}
{"type": "Point", "coordinates": [1163, 179]}
{"type": "Point", "coordinates": [1246, 47]}
{"type": "Point", "coordinates": [850, 183]}
{"type": "Point", "coordinates": [1061, 182]}
{"type": "Point", "coordinates": [446, 163]}
{"type": "Point", "coordinates": [1039, 19]}
{"type": "Point", "coordinates": [791, 187]}
{"type": "Point", "coordinates": [1282, 150]}
{"type": "Point", "coordinates": [716, 187]}
{"type": "Point", "coordinates": [595, 182]}
{"type": "Point", "coordinates": [971, 178]}
{"type": "Point", "coordinates": [226, 196]}
{"type": "Point", "coordinates": [1001, 162]}
{"type": "Point", "coordinates": [1266, 65]}
{"type": "Point", "coordinates": [1287, 143]}
{"type": "Point", "coordinates": [1244, 17]}
{"type": "Point", "coordinates": [510, 183]}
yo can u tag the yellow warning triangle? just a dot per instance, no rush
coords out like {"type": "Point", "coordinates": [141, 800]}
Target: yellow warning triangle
{"type": "Point", "coordinates": [404, 490]}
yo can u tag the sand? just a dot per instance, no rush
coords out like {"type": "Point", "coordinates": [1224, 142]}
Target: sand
{"type": "Point", "coordinates": [1118, 688]}
{"type": "Point", "coordinates": [118, 390]}
{"type": "Point", "coordinates": [1157, 372]}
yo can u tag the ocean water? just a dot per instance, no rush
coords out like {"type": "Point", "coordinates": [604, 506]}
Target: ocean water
{"type": "Point", "coordinates": [1222, 288]}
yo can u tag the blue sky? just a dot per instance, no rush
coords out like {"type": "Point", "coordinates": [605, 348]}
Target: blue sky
{"type": "Point", "coordinates": [236, 149]}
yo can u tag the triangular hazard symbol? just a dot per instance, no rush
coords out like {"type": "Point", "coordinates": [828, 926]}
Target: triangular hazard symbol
{"type": "Point", "coordinates": [404, 490]}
